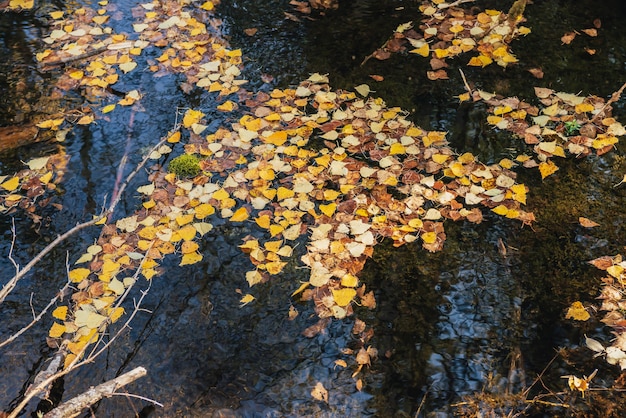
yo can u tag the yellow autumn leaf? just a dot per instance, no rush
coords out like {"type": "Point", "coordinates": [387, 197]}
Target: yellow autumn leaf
{"type": "Point", "coordinates": [108, 108]}
{"type": "Point", "coordinates": [85, 120]}
{"type": "Point", "coordinates": [203, 210]}
{"type": "Point", "coordinates": [284, 193]}
{"type": "Point", "coordinates": [349, 280]}
{"type": "Point", "coordinates": [227, 106]}
{"type": "Point", "coordinates": [116, 314]}
{"type": "Point", "coordinates": [60, 313]}
{"type": "Point", "coordinates": [56, 331]}
{"type": "Point", "coordinates": [207, 5]}
{"type": "Point", "coordinates": [547, 168]}
{"type": "Point", "coordinates": [429, 237]}
{"type": "Point", "coordinates": [189, 247]}
{"type": "Point", "coordinates": [11, 184]}
{"type": "Point", "coordinates": [344, 296]}
{"type": "Point", "coordinates": [519, 193]}
{"type": "Point", "coordinates": [422, 50]}
{"type": "Point", "coordinates": [247, 298]}
{"type": "Point", "coordinates": [184, 219]}
{"type": "Point", "coordinates": [275, 267]}
{"type": "Point", "coordinates": [174, 138]}
{"type": "Point", "coordinates": [240, 215]}
{"type": "Point", "coordinates": [78, 275]}
{"type": "Point", "coordinates": [190, 258]}
{"type": "Point", "coordinates": [329, 209]}
{"type": "Point", "coordinates": [76, 75]}
{"type": "Point", "coordinates": [263, 221]}
{"type": "Point", "coordinates": [501, 210]}
{"type": "Point", "coordinates": [50, 123]}
{"type": "Point", "coordinates": [187, 233]}
{"type": "Point", "coordinates": [192, 116]}
{"type": "Point", "coordinates": [577, 312]}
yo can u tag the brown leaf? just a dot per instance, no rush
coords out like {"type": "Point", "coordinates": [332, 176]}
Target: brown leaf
{"type": "Point", "coordinates": [316, 328]}
{"type": "Point", "coordinates": [568, 37]}
{"type": "Point", "coordinates": [602, 263]}
{"type": "Point", "coordinates": [536, 72]}
{"type": "Point", "coordinates": [250, 31]}
{"type": "Point", "coordinates": [381, 54]}
{"type": "Point", "coordinates": [591, 32]}
{"type": "Point", "coordinates": [437, 75]}
{"type": "Point", "coordinates": [377, 77]}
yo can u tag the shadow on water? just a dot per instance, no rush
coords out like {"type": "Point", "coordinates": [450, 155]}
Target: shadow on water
{"type": "Point", "coordinates": [463, 321]}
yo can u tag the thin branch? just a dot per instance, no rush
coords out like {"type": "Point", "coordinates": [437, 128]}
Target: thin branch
{"type": "Point", "coordinates": [454, 4]}
{"type": "Point", "coordinates": [74, 406]}
{"type": "Point", "coordinates": [10, 285]}
{"type": "Point", "coordinates": [614, 97]}
{"type": "Point", "coordinates": [143, 398]}
{"type": "Point", "coordinates": [37, 318]}
{"type": "Point", "coordinates": [13, 236]}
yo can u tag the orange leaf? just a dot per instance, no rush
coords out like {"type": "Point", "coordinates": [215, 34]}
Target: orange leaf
{"type": "Point", "coordinates": [587, 223]}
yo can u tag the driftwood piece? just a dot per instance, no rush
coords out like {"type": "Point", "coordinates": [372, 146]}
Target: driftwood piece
{"type": "Point", "coordinates": [17, 135]}
{"type": "Point", "coordinates": [67, 60]}
{"type": "Point", "coordinates": [74, 406]}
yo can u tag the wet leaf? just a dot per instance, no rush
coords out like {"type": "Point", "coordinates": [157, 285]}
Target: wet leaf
{"type": "Point", "coordinates": [247, 298]}
{"type": "Point", "coordinates": [587, 223]}
{"type": "Point", "coordinates": [57, 330]}
{"type": "Point", "coordinates": [577, 312]}
{"type": "Point", "coordinates": [60, 313]}
{"type": "Point", "coordinates": [319, 392]}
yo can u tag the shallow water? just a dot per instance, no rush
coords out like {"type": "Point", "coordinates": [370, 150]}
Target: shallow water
{"type": "Point", "coordinates": [465, 320]}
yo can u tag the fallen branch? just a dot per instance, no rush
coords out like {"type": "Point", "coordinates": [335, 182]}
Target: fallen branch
{"type": "Point", "coordinates": [74, 406]}
{"type": "Point", "coordinates": [79, 57]}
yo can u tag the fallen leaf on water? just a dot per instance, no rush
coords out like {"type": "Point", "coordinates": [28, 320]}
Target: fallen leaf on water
{"type": "Point", "coordinates": [320, 393]}
{"type": "Point", "coordinates": [587, 223]}
{"type": "Point", "coordinates": [246, 299]}
{"type": "Point", "coordinates": [577, 312]}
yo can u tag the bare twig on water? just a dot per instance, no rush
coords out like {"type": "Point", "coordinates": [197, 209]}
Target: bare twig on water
{"type": "Point", "coordinates": [614, 97]}
{"type": "Point", "coordinates": [74, 406]}
{"type": "Point", "coordinates": [454, 4]}
{"type": "Point", "coordinates": [79, 57]}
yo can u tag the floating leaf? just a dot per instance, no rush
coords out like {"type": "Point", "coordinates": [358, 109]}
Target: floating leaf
{"type": "Point", "coordinates": [343, 296]}
{"type": "Point", "coordinates": [78, 275]}
{"type": "Point", "coordinates": [60, 313]}
{"type": "Point", "coordinates": [89, 319]}
{"type": "Point", "coordinates": [57, 330]}
{"type": "Point", "coordinates": [11, 184]}
{"type": "Point", "coordinates": [320, 393]}
{"type": "Point", "coordinates": [587, 223]}
{"type": "Point", "coordinates": [247, 298]}
{"type": "Point", "coordinates": [190, 258]}
{"type": "Point", "coordinates": [577, 312]}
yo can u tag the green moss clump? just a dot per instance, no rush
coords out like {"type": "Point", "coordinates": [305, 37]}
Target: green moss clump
{"type": "Point", "coordinates": [185, 166]}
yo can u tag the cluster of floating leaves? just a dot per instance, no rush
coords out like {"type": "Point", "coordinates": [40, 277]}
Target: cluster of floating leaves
{"type": "Point", "coordinates": [32, 187]}
{"type": "Point", "coordinates": [344, 170]}
{"type": "Point", "coordinates": [94, 56]}
{"type": "Point", "coordinates": [613, 305]}
{"type": "Point", "coordinates": [447, 31]}
{"type": "Point", "coordinates": [562, 124]}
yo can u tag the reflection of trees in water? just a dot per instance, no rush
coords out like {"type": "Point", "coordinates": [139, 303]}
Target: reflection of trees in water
{"type": "Point", "coordinates": [23, 92]}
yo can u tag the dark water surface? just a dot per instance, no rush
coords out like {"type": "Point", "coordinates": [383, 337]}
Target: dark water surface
{"type": "Point", "coordinates": [463, 321]}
